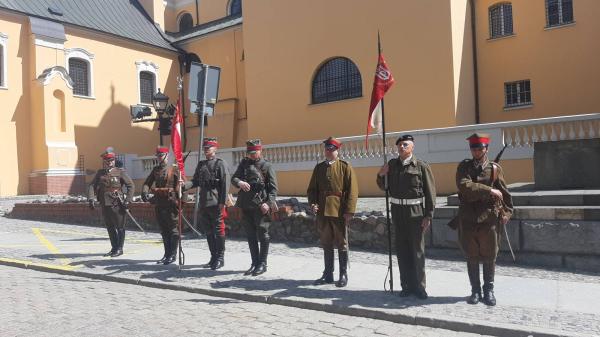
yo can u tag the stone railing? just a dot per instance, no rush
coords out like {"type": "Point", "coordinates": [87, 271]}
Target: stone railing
{"type": "Point", "coordinates": [442, 145]}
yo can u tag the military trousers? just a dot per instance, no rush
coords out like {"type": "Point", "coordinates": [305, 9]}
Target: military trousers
{"type": "Point", "coordinates": [479, 242]}
{"type": "Point", "coordinates": [256, 225]}
{"type": "Point", "coordinates": [410, 245]}
{"type": "Point", "coordinates": [114, 220]}
{"type": "Point", "coordinates": [332, 232]}
{"type": "Point", "coordinates": [211, 220]}
{"type": "Point", "coordinates": [167, 218]}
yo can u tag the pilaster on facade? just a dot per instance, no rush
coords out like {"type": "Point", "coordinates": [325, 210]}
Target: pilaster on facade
{"type": "Point", "coordinates": [47, 33]}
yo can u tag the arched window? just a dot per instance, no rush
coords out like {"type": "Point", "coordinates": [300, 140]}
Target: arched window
{"type": "Point", "coordinates": [337, 79]}
{"type": "Point", "coordinates": [501, 21]}
{"type": "Point", "coordinates": [559, 12]}
{"type": "Point", "coordinates": [147, 84]}
{"type": "Point", "coordinates": [235, 7]}
{"type": "Point", "coordinates": [79, 72]}
{"type": "Point", "coordinates": [186, 22]}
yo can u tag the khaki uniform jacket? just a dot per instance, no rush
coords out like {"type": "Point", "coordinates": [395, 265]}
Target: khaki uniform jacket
{"type": "Point", "coordinates": [163, 184]}
{"type": "Point", "coordinates": [263, 183]}
{"type": "Point", "coordinates": [412, 181]}
{"type": "Point", "coordinates": [106, 182]}
{"type": "Point", "coordinates": [474, 185]}
{"type": "Point", "coordinates": [334, 188]}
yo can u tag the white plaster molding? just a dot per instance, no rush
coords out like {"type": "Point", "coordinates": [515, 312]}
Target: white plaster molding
{"type": "Point", "coordinates": [57, 172]}
{"type": "Point", "coordinates": [4, 44]}
{"type": "Point", "coordinates": [146, 66]}
{"type": "Point", "coordinates": [46, 77]}
{"type": "Point", "coordinates": [176, 4]}
{"type": "Point", "coordinates": [48, 42]}
{"type": "Point", "coordinates": [87, 56]}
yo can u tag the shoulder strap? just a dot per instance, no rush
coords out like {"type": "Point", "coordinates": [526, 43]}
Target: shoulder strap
{"type": "Point", "coordinates": [494, 172]}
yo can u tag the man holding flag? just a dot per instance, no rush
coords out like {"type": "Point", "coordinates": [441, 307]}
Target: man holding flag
{"type": "Point", "coordinates": [178, 152]}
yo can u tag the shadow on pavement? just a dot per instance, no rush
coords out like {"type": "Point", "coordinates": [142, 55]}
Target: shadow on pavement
{"type": "Point", "coordinates": [51, 257]}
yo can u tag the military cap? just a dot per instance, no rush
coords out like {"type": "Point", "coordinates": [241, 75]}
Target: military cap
{"type": "Point", "coordinates": [478, 140]}
{"type": "Point", "coordinates": [210, 142]}
{"type": "Point", "coordinates": [405, 138]}
{"type": "Point", "coordinates": [332, 144]}
{"type": "Point", "coordinates": [109, 153]}
{"type": "Point", "coordinates": [253, 145]}
{"type": "Point", "coordinates": [160, 150]}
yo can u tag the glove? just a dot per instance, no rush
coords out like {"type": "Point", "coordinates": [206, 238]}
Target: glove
{"type": "Point", "coordinates": [144, 197]}
{"type": "Point", "coordinates": [91, 204]}
{"type": "Point", "coordinates": [126, 204]}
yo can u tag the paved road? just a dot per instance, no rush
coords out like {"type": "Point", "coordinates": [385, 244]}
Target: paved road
{"type": "Point", "coordinates": [43, 304]}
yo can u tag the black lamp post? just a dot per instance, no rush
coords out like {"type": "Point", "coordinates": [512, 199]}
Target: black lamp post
{"type": "Point", "coordinates": [160, 102]}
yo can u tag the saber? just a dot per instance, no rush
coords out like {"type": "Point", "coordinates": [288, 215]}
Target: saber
{"type": "Point", "coordinates": [190, 225]}
{"type": "Point", "coordinates": [133, 219]}
{"type": "Point", "coordinates": [509, 245]}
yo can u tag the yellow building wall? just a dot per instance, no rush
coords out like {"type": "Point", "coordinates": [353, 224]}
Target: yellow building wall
{"type": "Point", "coordinates": [105, 120]}
{"type": "Point", "coordinates": [283, 53]}
{"type": "Point", "coordinates": [14, 115]}
{"type": "Point", "coordinates": [224, 49]}
{"type": "Point", "coordinates": [560, 62]}
{"type": "Point", "coordinates": [208, 11]}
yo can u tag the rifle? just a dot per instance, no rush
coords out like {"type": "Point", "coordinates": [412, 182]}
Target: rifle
{"type": "Point", "coordinates": [121, 200]}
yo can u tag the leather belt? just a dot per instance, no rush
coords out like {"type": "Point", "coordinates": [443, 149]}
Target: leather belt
{"type": "Point", "coordinates": [337, 194]}
{"type": "Point", "coordinates": [396, 201]}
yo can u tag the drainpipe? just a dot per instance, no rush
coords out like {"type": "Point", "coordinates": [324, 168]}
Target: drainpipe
{"type": "Point", "coordinates": [197, 14]}
{"type": "Point", "coordinates": [474, 47]}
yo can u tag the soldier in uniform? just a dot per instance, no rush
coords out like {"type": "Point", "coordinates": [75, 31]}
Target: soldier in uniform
{"type": "Point", "coordinates": [211, 178]}
{"type": "Point", "coordinates": [107, 188]}
{"type": "Point", "coordinates": [257, 198]}
{"type": "Point", "coordinates": [412, 194]}
{"type": "Point", "coordinates": [332, 194]}
{"type": "Point", "coordinates": [485, 206]}
{"type": "Point", "coordinates": [162, 182]}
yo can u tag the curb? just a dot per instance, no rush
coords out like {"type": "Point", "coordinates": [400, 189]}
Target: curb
{"type": "Point", "coordinates": [431, 321]}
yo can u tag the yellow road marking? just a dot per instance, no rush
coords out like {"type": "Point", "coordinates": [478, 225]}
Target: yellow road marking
{"type": "Point", "coordinates": [65, 261]}
{"type": "Point", "coordinates": [151, 241]}
{"type": "Point", "coordinates": [45, 265]}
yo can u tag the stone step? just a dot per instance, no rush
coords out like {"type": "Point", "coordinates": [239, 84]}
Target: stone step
{"type": "Point", "coordinates": [548, 198]}
{"type": "Point", "coordinates": [536, 212]}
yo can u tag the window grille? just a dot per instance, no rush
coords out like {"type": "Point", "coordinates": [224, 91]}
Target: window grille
{"type": "Point", "coordinates": [559, 12]}
{"type": "Point", "coordinates": [1, 66]}
{"type": "Point", "coordinates": [336, 80]}
{"type": "Point", "coordinates": [501, 21]}
{"type": "Point", "coordinates": [146, 87]}
{"type": "Point", "coordinates": [79, 72]}
{"type": "Point", "coordinates": [235, 7]}
{"type": "Point", "coordinates": [517, 93]}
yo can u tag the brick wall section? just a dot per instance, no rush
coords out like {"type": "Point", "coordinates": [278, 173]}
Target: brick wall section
{"type": "Point", "coordinates": [57, 185]}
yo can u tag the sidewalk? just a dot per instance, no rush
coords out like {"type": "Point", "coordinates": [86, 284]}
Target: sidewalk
{"type": "Point", "coordinates": [530, 301]}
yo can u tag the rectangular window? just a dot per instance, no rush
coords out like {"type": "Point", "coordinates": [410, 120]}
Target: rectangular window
{"type": "Point", "coordinates": [559, 12]}
{"type": "Point", "coordinates": [146, 87]}
{"type": "Point", "coordinates": [1, 66]}
{"type": "Point", "coordinates": [501, 22]}
{"type": "Point", "coordinates": [78, 70]}
{"type": "Point", "coordinates": [517, 93]}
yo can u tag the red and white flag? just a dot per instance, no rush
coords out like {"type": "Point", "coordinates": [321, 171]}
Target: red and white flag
{"type": "Point", "coordinates": [176, 139]}
{"type": "Point", "coordinates": [382, 83]}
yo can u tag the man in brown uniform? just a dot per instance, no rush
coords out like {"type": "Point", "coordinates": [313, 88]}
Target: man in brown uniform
{"type": "Point", "coordinates": [332, 194]}
{"type": "Point", "coordinates": [412, 193]}
{"type": "Point", "coordinates": [485, 206]}
{"type": "Point", "coordinates": [107, 186]}
{"type": "Point", "coordinates": [162, 182]}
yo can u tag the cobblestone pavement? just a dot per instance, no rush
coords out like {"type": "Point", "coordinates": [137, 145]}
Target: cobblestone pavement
{"type": "Point", "coordinates": [529, 299]}
{"type": "Point", "coordinates": [43, 304]}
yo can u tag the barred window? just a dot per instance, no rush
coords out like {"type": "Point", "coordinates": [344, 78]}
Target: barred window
{"type": "Point", "coordinates": [517, 93]}
{"type": "Point", "coordinates": [501, 21]}
{"type": "Point", "coordinates": [235, 7]}
{"type": "Point", "coordinates": [146, 87]}
{"type": "Point", "coordinates": [336, 80]}
{"type": "Point", "coordinates": [559, 12]}
{"type": "Point", "coordinates": [186, 22]}
{"type": "Point", "coordinates": [79, 72]}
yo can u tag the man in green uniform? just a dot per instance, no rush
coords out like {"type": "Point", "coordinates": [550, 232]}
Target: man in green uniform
{"type": "Point", "coordinates": [162, 182]}
{"type": "Point", "coordinates": [107, 188]}
{"type": "Point", "coordinates": [412, 194]}
{"type": "Point", "coordinates": [332, 194]}
{"type": "Point", "coordinates": [211, 177]}
{"type": "Point", "coordinates": [485, 207]}
{"type": "Point", "coordinates": [257, 198]}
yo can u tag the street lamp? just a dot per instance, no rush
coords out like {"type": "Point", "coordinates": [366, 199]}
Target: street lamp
{"type": "Point", "coordinates": [160, 101]}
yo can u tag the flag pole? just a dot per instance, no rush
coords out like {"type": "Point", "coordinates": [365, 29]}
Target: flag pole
{"type": "Point", "coordinates": [180, 182]}
{"type": "Point", "coordinates": [387, 194]}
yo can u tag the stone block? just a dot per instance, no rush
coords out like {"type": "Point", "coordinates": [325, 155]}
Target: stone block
{"type": "Point", "coordinates": [534, 213]}
{"type": "Point", "coordinates": [442, 235]}
{"type": "Point", "coordinates": [559, 236]}
{"type": "Point", "coordinates": [581, 262]}
{"type": "Point", "coordinates": [512, 228]}
{"type": "Point", "coordinates": [534, 259]}
{"type": "Point", "coordinates": [447, 212]}
{"type": "Point", "coordinates": [568, 214]}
